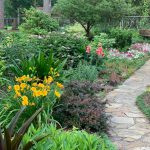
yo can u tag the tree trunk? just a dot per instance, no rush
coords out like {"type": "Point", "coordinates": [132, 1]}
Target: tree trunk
{"type": "Point", "coordinates": [89, 34]}
{"type": "Point", "coordinates": [1, 14]}
{"type": "Point", "coordinates": [47, 6]}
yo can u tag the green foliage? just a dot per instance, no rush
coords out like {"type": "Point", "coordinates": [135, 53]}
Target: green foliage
{"type": "Point", "coordinates": [145, 108]}
{"type": "Point", "coordinates": [10, 140]}
{"type": "Point", "coordinates": [39, 66]}
{"type": "Point", "coordinates": [65, 46]}
{"type": "Point", "coordinates": [79, 107]}
{"type": "Point", "coordinates": [144, 22]}
{"type": "Point", "coordinates": [125, 68]}
{"type": "Point", "coordinates": [123, 38]}
{"type": "Point", "coordinates": [83, 72]}
{"type": "Point", "coordinates": [18, 46]}
{"type": "Point", "coordinates": [2, 63]}
{"type": "Point", "coordinates": [22, 46]}
{"type": "Point", "coordinates": [67, 140]}
{"type": "Point", "coordinates": [89, 13]}
{"type": "Point", "coordinates": [104, 39]}
{"type": "Point", "coordinates": [75, 29]}
{"type": "Point", "coordinates": [12, 6]}
{"type": "Point", "coordinates": [38, 23]}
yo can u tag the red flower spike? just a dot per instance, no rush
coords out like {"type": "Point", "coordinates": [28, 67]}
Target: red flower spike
{"type": "Point", "coordinates": [99, 52]}
{"type": "Point", "coordinates": [88, 49]}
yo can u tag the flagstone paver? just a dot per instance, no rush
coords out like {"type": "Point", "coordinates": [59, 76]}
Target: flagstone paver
{"type": "Point", "coordinates": [129, 128]}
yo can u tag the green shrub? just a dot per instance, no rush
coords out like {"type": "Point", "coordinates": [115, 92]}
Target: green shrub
{"type": "Point", "coordinates": [37, 22]}
{"type": "Point", "coordinates": [104, 39]}
{"type": "Point", "coordinates": [63, 46]}
{"type": "Point", "coordinates": [83, 72]}
{"type": "Point", "coordinates": [66, 46]}
{"type": "Point", "coordinates": [18, 46]}
{"type": "Point", "coordinates": [67, 140]}
{"type": "Point", "coordinates": [123, 38]}
{"type": "Point", "coordinates": [79, 107]}
{"type": "Point", "coordinates": [75, 29]}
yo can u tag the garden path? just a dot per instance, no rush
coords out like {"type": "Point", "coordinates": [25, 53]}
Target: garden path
{"type": "Point", "coordinates": [129, 128]}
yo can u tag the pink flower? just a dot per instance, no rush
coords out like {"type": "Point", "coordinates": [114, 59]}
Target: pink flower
{"type": "Point", "coordinates": [88, 49]}
{"type": "Point", "coordinates": [99, 52]}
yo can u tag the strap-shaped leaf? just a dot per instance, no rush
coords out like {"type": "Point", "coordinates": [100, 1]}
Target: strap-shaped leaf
{"type": "Point", "coordinates": [7, 139]}
{"type": "Point", "coordinates": [2, 144]}
{"type": "Point", "coordinates": [31, 143]}
{"type": "Point", "coordinates": [18, 137]}
{"type": "Point", "coordinates": [14, 121]}
{"type": "Point", "coordinates": [16, 141]}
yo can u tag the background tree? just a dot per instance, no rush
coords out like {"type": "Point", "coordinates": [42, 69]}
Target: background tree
{"type": "Point", "coordinates": [1, 14]}
{"type": "Point", "coordinates": [91, 12]}
{"type": "Point", "coordinates": [47, 4]}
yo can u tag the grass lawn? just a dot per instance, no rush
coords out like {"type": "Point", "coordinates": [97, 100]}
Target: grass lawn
{"type": "Point", "coordinates": [143, 102]}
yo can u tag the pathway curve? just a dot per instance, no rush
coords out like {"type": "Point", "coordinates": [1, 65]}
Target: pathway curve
{"type": "Point", "coordinates": [129, 129]}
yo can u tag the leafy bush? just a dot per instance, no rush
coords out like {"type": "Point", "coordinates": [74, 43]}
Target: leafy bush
{"type": "Point", "coordinates": [104, 39]}
{"type": "Point", "coordinates": [79, 107]}
{"type": "Point", "coordinates": [37, 22]}
{"type": "Point", "coordinates": [123, 38]}
{"type": "Point", "coordinates": [66, 46]}
{"type": "Point", "coordinates": [63, 46]}
{"type": "Point", "coordinates": [83, 72]}
{"type": "Point", "coordinates": [67, 140]}
{"type": "Point", "coordinates": [75, 29]}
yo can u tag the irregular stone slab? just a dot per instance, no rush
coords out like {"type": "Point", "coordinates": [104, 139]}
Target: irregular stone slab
{"type": "Point", "coordinates": [146, 138]}
{"type": "Point", "coordinates": [130, 134]}
{"type": "Point", "coordinates": [141, 127]}
{"type": "Point", "coordinates": [141, 148]}
{"type": "Point", "coordinates": [129, 139]}
{"type": "Point", "coordinates": [141, 120]}
{"type": "Point", "coordinates": [134, 115]}
{"type": "Point", "coordinates": [122, 120]}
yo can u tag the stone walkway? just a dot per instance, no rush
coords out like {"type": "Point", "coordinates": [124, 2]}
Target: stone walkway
{"type": "Point", "coordinates": [129, 129]}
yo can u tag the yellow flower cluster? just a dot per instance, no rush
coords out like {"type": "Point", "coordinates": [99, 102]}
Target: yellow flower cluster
{"type": "Point", "coordinates": [32, 87]}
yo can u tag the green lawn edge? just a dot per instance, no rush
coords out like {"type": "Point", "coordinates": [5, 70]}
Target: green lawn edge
{"type": "Point", "coordinates": [142, 106]}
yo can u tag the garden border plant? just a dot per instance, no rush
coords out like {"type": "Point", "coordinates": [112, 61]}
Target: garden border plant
{"type": "Point", "coordinates": [142, 105]}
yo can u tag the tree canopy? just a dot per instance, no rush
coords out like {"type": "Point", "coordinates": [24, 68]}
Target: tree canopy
{"type": "Point", "coordinates": [90, 12]}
